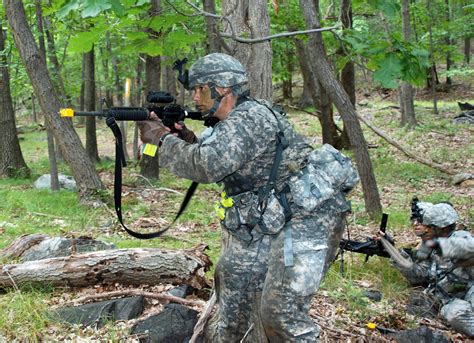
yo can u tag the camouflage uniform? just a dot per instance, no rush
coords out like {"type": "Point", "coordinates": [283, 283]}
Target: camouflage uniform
{"type": "Point", "coordinates": [239, 153]}
{"type": "Point", "coordinates": [439, 269]}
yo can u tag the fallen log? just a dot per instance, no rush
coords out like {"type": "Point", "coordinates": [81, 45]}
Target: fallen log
{"type": "Point", "coordinates": [125, 266]}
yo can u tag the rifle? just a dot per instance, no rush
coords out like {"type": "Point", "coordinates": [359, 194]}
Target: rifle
{"type": "Point", "coordinates": [169, 114]}
{"type": "Point", "coordinates": [160, 102]}
{"type": "Point", "coordinates": [370, 247]}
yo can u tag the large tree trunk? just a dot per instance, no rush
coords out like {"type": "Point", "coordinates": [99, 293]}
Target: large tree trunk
{"type": "Point", "coordinates": [346, 109]}
{"type": "Point", "coordinates": [53, 165]}
{"type": "Point", "coordinates": [406, 90]}
{"type": "Point", "coordinates": [251, 18]}
{"type": "Point", "coordinates": [213, 38]}
{"type": "Point", "coordinates": [125, 266]}
{"type": "Point", "coordinates": [12, 163]}
{"type": "Point", "coordinates": [89, 104]}
{"type": "Point", "coordinates": [149, 166]}
{"type": "Point", "coordinates": [347, 73]}
{"type": "Point", "coordinates": [320, 98]}
{"type": "Point", "coordinates": [87, 179]}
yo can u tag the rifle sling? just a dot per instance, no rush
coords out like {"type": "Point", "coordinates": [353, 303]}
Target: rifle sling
{"type": "Point", "coordinates": [119, 163]}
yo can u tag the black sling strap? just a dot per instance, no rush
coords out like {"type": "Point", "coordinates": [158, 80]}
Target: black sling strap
{"type": "Point", "coordinates": [119, 163]}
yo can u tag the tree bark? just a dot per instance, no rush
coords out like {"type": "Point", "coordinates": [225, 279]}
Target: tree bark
{"type": "Point", "coordinates": [407, 105]}
{"type": "Point", "coordinates": [432, 60]}
{"type": "Point", "coordinates": [87, 179]}
{"type": "Point", "coordinates": [347, 73]}
{"type": "Point", "coordinates": [54, 60]}
{"type": "Point", "coordinates": [125, 266]}
{"type": "Point", "coordinates": [320, 98]}
{"type": "Point", "coordinates": [251, 18]}
{"type": "Point", "coordinates": [346, 109]}
{"type": "Point", "coordinates": [53, 165]}
{"type": "Point", "coordinates": [149, 166]}
{"type": "Point", "coordinates": [467, 50]}
{"type": "Point", "coordinates": [449, 42]}
{"type": "Point", "coordinates": [11, 159]}
{"type": "Point", "coordinates": [213, 38]}
{"type": "Point", "coordinates": [89, 104]}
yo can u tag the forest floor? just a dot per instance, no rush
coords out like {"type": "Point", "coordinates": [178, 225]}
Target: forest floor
{"type": "Point", "coordinates": [341, 307]}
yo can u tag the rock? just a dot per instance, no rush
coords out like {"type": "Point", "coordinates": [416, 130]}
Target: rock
{"type": "Point", "coordinates": [61, 246]}
{"type": "Point", "coordinates": [66, 182]}
{"type": "Point", "coordinates": [97, 314]}
{"type": "Point", "coordinates": [467, 184]}
{"type": "Point", "coordinates": [181, 291]}
{"type": "Point", "coordinates": [373, 295]}
{"type": "Point", "coordinates": [461, 177]}
{"type": "Point", "coordinates": [174, 325]}
{"type": "Point", "coordinates": [363, 102]}
{"type": "Point", "coordinates": [422, 334]}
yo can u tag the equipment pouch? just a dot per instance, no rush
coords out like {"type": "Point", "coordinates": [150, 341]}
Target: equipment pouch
{"type": "Point", "coordinates": [273, 218]}
{"type": "Point", "coordinates": [245, 213]}
{"type": "Point", "coordinates": [311, 187]}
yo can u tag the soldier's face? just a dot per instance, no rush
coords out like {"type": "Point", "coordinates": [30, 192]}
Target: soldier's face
{"type": "Point", "coordinates": [202, 98]}
{"type": "Point", "coordinates": [423, 231]}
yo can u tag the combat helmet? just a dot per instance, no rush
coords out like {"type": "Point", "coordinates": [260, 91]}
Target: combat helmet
{"type": "Point", "coordinates": [440, 215]}
{"type": "Point", "coordinates": [219, 70]}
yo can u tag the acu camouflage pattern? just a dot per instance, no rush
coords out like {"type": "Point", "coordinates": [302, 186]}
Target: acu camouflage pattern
{"type": "Point", "coordinates": [220, 69]}
{"type": "Point", "coordinates": [439, 215]}
{"type": "Point", "coordinates": [239, 154]}
{"type": "Point", "coordinates": [455, 285]}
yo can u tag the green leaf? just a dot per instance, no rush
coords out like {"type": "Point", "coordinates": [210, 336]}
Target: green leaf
{"type": "Point", "coordinates": [389, 71]}
{"type": "Point", "coordinates": [118, 8]}
{"type": "Point", "coordinates": [72, 5]}
{"type": "Point", "coordinates": [83, 41]}
{"type": "Point", "coordinates": [93, 7]}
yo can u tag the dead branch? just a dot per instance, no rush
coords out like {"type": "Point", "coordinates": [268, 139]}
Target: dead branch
{"type": "Point", "coordinates": [205, 315]}
{"type": "Point", "coordinates": [252, 40]}
{"type": "Point", "coordinates": [404, 150]}
{"type": "Point", "coordinates": [135, 292]}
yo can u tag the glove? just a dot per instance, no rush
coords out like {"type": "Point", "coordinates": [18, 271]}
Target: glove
{"type": "Point", "coordinates": [184, 133]}
{"type": "Point", "coordinates": [151, 130]}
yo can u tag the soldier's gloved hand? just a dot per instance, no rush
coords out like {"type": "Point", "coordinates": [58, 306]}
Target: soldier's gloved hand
{"type": "Point", "coordinates": [152, 130]}
{"type": "Point", "coordinates": [184, 133]}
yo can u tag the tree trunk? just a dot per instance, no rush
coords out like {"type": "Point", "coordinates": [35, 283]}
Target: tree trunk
{"type": "Point", "coordinates": [87, 179]}
{"type": "Point", "coordinates": [347, 73]}
{"type": "Point", "coordinates": [149, 166]}
{"type": "Point", "coordinates": [54, 60]}
{"type": "Point", "coordinates": [132, 267]}
{"type": "Point", "coordinates": [213, 38]}
{"type": "Point", "coordinates": [12, 163]}
{"type": "Point", "coordinates": [407, 105]}
{"type": "Point", "coordinates": [168, 78]}
{"type": "Point", "coordinates": [432, 60]}
{"type": "Point", "coordinates": [137, 102]}
{"type": "Point", "coordinates": [251, 18]}
{"type": "Point", "coordinates": [320, 98]}
{"type": "Point", "coordinates": [449, 42]}
{"type": "Point", "coordinates": [467, 50]}
{"type": "Point", "coordinates": [343, 104]}
{"type": "Point", "coordinates": [53, 165]}
{"type": "Point", "coordinates": [89, 104]}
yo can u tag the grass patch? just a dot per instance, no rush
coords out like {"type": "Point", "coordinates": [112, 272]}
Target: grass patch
{"type": "Point", "coordinates": [24, 316]}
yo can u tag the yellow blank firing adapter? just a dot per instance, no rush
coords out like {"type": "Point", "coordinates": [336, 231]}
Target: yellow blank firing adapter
{"type": "Point", "coordinates": [66, 112]}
